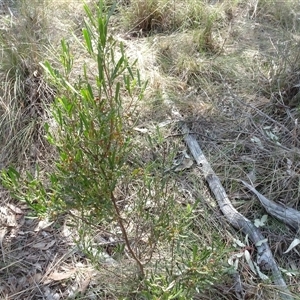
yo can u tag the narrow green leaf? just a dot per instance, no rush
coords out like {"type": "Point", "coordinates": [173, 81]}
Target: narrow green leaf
{"type": "Point", "coordinates": [118, 69]}
{"type": "Point", "coordinates": [87, 39]}
{"type": "Point", "coordinates": [12, 175]}
{"type": "Point", "coordinates": [117, 93]}
{"type": "Point", "coordinates": [112, 10]}
{"type": "Point", "coordinates": [127, 84]}
{"type": "Point", "coordinates": [90, 15]}
{"type": "Point", "coordinates": [102, 27]}
{"type": "Point", "coordinates": [139, 77]}
{"type": "Point", "coordinates": [66, 58]}
{"type": "Point", "coordinates": [130, 72]}
{"type": "Point", "coordinates": [48, 68]}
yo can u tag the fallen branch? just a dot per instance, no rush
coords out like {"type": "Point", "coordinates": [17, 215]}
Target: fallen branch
{"type": "Point", "coordinates": [283, 213]}
{"type": "Point", "coordinates": [265, 258]}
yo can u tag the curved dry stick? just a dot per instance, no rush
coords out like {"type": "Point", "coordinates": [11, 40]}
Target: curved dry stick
{"type": "Point", "coordinates": [236, 219]}
{"type": "Point", "coordinates": [287, 215]}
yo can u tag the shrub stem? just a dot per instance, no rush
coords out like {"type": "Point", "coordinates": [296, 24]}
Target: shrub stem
{"type": "Point", "coordinates": [125, 236]}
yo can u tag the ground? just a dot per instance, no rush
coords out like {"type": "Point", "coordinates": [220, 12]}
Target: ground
{"type": "Point", "coordinates": [229, 70]}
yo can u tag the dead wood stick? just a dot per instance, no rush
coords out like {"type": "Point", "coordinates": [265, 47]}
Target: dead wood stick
{"type": "Point", "coordinates": [283, 213]}
{"type": "Point", "coordinates": [237, 220]}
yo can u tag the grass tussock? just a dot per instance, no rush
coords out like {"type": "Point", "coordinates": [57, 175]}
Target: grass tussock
{"type": "Point", "coordinates": [25, 94]}
{"type": "Point", "coordinates": [144, 18]}
{"type": "Point", "coordinates": [284, 14]}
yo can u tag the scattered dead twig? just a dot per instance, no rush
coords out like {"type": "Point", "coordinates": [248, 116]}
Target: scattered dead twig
{"type": "Point", "coordinates": [281, 212]}
{"type": "Point", "coordinates": [236, 219]}
{"type": "Point", "coordinates": [258, 111]}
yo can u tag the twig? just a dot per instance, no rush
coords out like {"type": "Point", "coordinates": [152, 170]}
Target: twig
{"type": "Point", "coordinates": [283, 213]}
{"type": "Point", "coordinates": [259, 111]}
{"type": "Point", "coordinates": [236, 219]}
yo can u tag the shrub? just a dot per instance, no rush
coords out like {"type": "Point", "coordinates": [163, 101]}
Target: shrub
{"type": "Point", "coordinates": [94, 139]}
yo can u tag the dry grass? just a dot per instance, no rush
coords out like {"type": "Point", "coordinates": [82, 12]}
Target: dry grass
{"type": "Point", "coordinates": [24, 93]}
{"type": "Point", "coordinates": [230, 68]}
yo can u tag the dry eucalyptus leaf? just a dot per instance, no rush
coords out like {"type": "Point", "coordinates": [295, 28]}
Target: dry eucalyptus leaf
{"type": "Point", "coordinates": [3, 232]}
{"type": "Point", "coordinates": [7, 218]}
{"type": "Point", "coordinates": [35, 278]}
{"type": "Point", "coordinates": [84, 284]}
{"type": "Point", "coordinates": [239, 243]}
{"type": "Point", "coordinates": [260, 222]}
{"type": "Point", "coordinates": [15, 209]}
{"type": "Point", "coordinates": [249, 261]}
{"type": "Point", "coordinates": [50, 295]}
{"type": "Point", "coordinates": [43, 224]}
{"type": "Point", "coordinates": [294, 243]}
{"type": "Point", "coordinates": [142, 130]}
{"type": "Point", "coordinates": [165, 123]}
{"type": "Point", "coordinates": [58, 276]}
{"type": "Point", "coordinates": [260, 274]}
{"type": "Point", "coordinates": [185, 164]}
{"type": "Point", "coordinates": [259, 243]}
{"type": "Point", "coordinates": [43, 245]}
